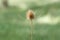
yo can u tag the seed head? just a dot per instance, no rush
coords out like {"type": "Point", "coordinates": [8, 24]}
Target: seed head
{"type": "Point", "coordinates": [30, 15]}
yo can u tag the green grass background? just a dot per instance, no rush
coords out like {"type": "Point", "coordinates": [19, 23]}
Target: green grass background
{"type": "Point", "coordinates": [13, 27]}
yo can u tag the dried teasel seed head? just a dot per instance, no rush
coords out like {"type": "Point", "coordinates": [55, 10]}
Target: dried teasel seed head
{"type": "Point", "coordinates": [30, 15]}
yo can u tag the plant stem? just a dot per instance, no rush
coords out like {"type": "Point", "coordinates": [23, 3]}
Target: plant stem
{"type": "Point", "coordinates": [31, 29]}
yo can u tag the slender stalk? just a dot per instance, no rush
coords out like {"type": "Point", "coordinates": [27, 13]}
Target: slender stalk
{"type": "Point", "coordinates": [31, 23]}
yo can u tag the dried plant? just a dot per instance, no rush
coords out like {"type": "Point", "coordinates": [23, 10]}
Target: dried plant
{"type": "Point", "coordinates": [30, 17]}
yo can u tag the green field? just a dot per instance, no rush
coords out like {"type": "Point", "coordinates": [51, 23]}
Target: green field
{"type": "Point", "coordinates": [14, 27]}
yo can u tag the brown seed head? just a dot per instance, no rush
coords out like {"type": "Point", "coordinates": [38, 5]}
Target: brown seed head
{"type": "Point", "coordinates": [30, 15]}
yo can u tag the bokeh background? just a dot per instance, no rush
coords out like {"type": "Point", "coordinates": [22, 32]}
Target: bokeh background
{"type": "Point", "coordinates": [15, 26]}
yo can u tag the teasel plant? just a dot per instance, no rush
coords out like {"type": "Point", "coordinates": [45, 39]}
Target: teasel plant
{"type": "Point", "coordinates": [30, 16]}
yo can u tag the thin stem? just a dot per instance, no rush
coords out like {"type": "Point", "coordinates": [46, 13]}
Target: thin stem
{"type": "Point", "coordinates": [31, 29]}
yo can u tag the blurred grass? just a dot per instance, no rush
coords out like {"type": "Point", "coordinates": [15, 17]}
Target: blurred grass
{"type": "Point", "coordinates": [12, 26]}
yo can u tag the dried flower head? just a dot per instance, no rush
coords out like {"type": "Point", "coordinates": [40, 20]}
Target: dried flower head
{"type": "Point", "coordinates": [30, 15]}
